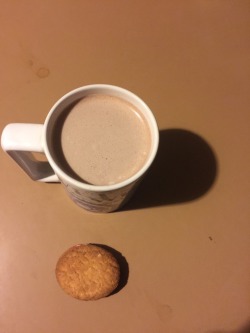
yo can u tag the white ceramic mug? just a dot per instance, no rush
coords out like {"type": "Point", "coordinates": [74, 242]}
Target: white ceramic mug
{"type": "Point", "coordinates": [20, 140]}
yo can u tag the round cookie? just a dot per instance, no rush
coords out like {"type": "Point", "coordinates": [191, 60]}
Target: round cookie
{"type": "Point", "coordinates": [88, 272]}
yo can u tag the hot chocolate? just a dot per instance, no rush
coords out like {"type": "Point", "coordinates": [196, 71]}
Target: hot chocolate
{"type": "Point", "coordinates": [105, 140]}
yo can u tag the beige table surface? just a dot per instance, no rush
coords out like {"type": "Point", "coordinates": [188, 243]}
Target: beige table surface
{"type": "Point", "coordinates": [186, 233]}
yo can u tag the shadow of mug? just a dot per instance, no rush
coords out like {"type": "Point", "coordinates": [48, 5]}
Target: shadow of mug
{"type": "Point", "coordinates": [185, 168]}
{"type": "Point", "coordinates": [243, 329]}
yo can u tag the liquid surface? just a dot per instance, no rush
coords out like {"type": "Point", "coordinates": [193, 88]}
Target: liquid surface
{"type": "Point", "coordinates": [105, 140]}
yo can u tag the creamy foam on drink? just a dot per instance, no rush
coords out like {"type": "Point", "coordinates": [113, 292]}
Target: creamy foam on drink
{"type": "Point", "coordinates": [105, 139]}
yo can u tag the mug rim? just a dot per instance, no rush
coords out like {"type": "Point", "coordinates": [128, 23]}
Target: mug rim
{"type": "Point", "coordinates": [63, 176]}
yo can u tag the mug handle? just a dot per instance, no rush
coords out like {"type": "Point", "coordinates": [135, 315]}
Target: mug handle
{"type": "Point", "coordinates": [19, 141]}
